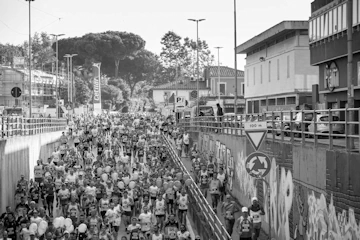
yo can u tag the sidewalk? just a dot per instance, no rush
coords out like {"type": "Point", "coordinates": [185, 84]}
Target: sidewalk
{"type": "Point", "coordinates": [235, 235]}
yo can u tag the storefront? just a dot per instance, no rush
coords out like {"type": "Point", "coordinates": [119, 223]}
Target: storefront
{"type": "Point", "coordinates": [229, 105]}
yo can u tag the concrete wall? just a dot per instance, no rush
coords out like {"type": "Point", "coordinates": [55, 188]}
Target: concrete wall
{"type": "Point", "coordinates": [314, 193]}
{"type": "Point", "coordinates": [18, 156]}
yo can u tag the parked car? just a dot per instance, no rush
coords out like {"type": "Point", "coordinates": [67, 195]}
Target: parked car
{"type": "Point", "coordinates": [269, 122]}
{"type": "Point", "coordinates": [323, 125]}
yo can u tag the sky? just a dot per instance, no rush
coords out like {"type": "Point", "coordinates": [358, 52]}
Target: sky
{"type": "Point", "coordinates": [151, 19]}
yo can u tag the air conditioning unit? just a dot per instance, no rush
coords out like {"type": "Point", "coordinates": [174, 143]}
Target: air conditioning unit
{"type": "Point", "coordinates": [201, 79]}
{"type": "Point", "coordinates": [192, 79]}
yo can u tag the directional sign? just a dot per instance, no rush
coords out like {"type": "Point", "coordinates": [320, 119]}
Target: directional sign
{"type": "Point", "coordinates": [255, 132]}
{"type": "Point", "coordinates": [258, 164]}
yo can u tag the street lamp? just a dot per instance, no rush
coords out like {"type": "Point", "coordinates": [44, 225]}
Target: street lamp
{"type": "Point", "coordinates": [235, 58]}
{"type": "Point", "coordinates": [197, 59]}
{"type": "Point", "coordinates": [57, 72]}
{"type": "Point", "coordinates": [70, 56]}
{"type": "Point", "coordinates": [218, 48]}
{"type": "Point", "coordinates": [30, 85]}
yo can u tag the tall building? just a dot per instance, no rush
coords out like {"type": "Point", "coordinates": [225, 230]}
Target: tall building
{"type": "Point", "coordinates": [278, 74]}
{"type": "Point", "coordinates": [328, 48]}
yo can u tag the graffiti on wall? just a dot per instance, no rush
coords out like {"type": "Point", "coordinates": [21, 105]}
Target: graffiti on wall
{"type": "Point", "coordinates": [300, 212]}
{"type": "Point", "coordinates": [246, 182]}
{"type": "Point", "coordinates": [229, 169]}
{"type": "Point", "coordinates": [281, 190]}
{"type": "Point", "coordinates": [325, 224]}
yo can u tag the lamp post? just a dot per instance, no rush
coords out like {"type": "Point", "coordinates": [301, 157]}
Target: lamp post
{"type": "Point", "coordinates": [30, 85]}
{"type": "Point", "coordinates": [235, 60]}
{"type": "Point", "coordinates": [70, 56]}
{"type": "Point", "coordinates": [218, 48]}
{"type": "Point", "coordinates": [57, 73]}
{"type": "Point", "coordinates": [67, 76]}
{"type": "Point", "coordinates": [197, 59]}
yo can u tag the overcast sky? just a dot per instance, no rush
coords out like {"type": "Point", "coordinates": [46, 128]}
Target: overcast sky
{"type": "Point", "coordinates": [151, 19]}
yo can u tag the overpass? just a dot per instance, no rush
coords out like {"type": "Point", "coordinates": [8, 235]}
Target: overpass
{"type": "Point", "coordinates": [313, 189]}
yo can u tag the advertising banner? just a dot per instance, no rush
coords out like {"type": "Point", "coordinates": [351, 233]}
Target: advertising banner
{"type": "Point", "coordinates": [97, 88]}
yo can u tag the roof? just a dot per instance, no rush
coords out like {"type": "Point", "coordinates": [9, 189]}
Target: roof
{"type": "Point", "coordinates": [184, 83]}
{"type": "Point", "coordinates": [224, 72]}
{"type": "Point", "coordinates": [271, 34]}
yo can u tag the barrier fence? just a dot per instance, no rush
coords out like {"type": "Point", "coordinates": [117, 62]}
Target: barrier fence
{"type": "Point", "coordinates": [20, 126]}
{"type": "Point", "coordinates": [208, 225]}
{"type": "Point", "coordinates": [332, 126]}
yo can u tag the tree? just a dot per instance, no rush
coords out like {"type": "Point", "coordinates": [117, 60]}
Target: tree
{"type": "Point", "coordinates": [8, 52]}
{"type": "Point", "coordinates": [112, 95]}
{"type": "Point", "coordinates": [140, 68]}
{"type": "Point", "coordinates": [120, 46]}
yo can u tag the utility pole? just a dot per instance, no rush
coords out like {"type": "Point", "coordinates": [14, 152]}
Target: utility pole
{"type": "Point", "coordinates": [235, 45]}
{"type": "Point", "coordinates": [57, 73]}
{"type": "Point", "coordinates": [30, 84]}
{"type": "Point", "coordinates": [218, 87]}
{"type": "Point", "coordinates": [197, 60]}
{"type": "Point", "coordinates": [350, 83]}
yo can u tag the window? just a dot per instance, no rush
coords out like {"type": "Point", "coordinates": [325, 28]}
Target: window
{"type": "Point", "coordinates": [271, 102]}
{"type": "Point", "coordinates": [326, 25]}
{"type": "Point", "coordinates": [321, 26]}
{"type": "Point", "coordinates": [344, 25]}
{"type": "Point", "coordinates": [311, 30]}
{"type": "Point", "coordinates": [358, 11]}
{"type": "Point", "coordinates": [278, 69]}
{"type": "Point", "coordinates": [269, 71]}
{"type": "Point", "coordinates": [288, 66]}
{"type": "Point", "coordinates": [317, 28]}
{"type": "Point", "coordinates": [242, 89]}
{"type": "Point", "coordinates": [336, 22]}
{"type": "Point", "coordinates": [254, 75]}
{"type": "Point", "coordinates": [280, 101]}
{"type": "Point", "coordinates": [339, 18]}
{"type": "Point", "coordinates": [290, 100]}
{"type": "Point", "coordinates": [331, 28]}
{"type": "Point", "coordinates": [355, 12]}
{"type": "Point", "coordinates": [222, 89]}
{"type": "Point", "coordinates": [263, 102]}
{"type": "Point", "coordinates": [358, 73]}
{"type": "Point", "coordinates": [261, 74]}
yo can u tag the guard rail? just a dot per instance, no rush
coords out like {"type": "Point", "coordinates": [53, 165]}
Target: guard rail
{"type": "Point", "coordinates": [19, 126]}
{"type": "Point", "coordinates": [332, 126]}
{"type": "Point", "coordinates": [201, 212]}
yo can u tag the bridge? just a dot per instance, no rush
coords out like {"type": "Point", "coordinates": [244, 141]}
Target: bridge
{"type": "Point", "coordinates": [313, 190]}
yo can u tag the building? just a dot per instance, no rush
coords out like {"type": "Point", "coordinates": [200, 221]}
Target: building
{"type": "Point", "coordinates": [278, 74]}
{"type": "Point", "coordinates": [185, 87]}
{"type": "Point", "coordinates": [223, 83]}
{"type": "Point", "coordinates": [328, 50]}
{"type": "Point", "coordinates": [43, 88]}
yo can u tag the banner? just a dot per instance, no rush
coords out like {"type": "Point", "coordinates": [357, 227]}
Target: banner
{"type": "Point", "coordinates": [97, 88]}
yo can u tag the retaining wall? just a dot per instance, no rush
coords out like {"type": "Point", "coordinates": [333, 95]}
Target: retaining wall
{"type": "Point", "coordinates": [314, 193]}
{"type": "Point", "coordinates": [18, 155]}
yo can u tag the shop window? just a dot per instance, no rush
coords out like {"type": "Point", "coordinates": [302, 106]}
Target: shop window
{"type": "Point", "coordinates": [263, 102]}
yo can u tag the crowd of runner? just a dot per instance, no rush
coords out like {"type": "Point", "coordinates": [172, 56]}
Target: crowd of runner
{"type": "Point", "coordinates": [112, 177]}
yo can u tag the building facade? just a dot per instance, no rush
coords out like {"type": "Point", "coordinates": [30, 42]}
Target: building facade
{"type": "Point", "coordinates": [328, 37]}
{"type": "Point", "coordinates": [185, 87]}
{"type": "Point", "coordinates": [43, 88]}
{"type": "Point", "coordinates": [278, 74]}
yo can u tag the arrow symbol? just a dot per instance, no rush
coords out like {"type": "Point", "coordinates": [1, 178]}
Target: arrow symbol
{"type": "Point", "coordinates": [257, 164]}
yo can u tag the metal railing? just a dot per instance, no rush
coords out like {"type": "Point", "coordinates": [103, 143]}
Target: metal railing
{"type": "Point", "coordinates": [331, 127]}
{"type": "Point", "coordinates": [19, 126]}
{"type": "Point", "coordinates": [199, 207]}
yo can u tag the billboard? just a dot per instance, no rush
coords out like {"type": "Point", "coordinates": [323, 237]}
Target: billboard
{"type": "Point", "coordinates": [97, 88]}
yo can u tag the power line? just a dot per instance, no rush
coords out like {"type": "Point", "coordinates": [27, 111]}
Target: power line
{"type": "Point", "coordinates": [50, 14]}
{"type": "Point", "coordinates": [12, 28]}
{"type": "Point", "coordinates": [49, 24]}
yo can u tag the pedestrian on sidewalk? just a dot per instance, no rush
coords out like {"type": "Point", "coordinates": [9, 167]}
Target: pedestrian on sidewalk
{"type": "Point", "coordinates": [256, 211]}
{"type": "Point", "coordinates": [186, 140]}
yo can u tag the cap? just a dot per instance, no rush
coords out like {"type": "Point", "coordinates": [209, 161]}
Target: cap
{"type": "Point", "coordinates": [66, 232]}
{"type": "Point", "coordinates": [244, 209]}
{"type": "Point", "coordinates": [254, 199]}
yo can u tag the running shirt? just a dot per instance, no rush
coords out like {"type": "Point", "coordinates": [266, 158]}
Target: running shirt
{"type": "Point", "coordinates": [183, 202]}
{"type": "Point", "coordinates": [145, 221]}
{"type": "Point", "coordinates": [134, 231]}
{"type": "Point", "coordinates": [215, 186]}
{"type": "Point", "coordinates": [160, 207]}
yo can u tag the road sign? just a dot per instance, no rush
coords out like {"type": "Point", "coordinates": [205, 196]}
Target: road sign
{"type": "Point", "coordinates": [258, 164]}
{"type": "Point", "coordinates": [180, 101]}
{"type": "Point", "coordinates": [255, 132]}
{"type": "Point", "coordinates": [16, 92]}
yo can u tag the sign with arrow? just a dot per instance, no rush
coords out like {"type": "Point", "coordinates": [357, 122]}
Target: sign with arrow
{"type": "Point", "coordinates": [255, 132]}
{"type": "Point", "coordinates": [258, 164]}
